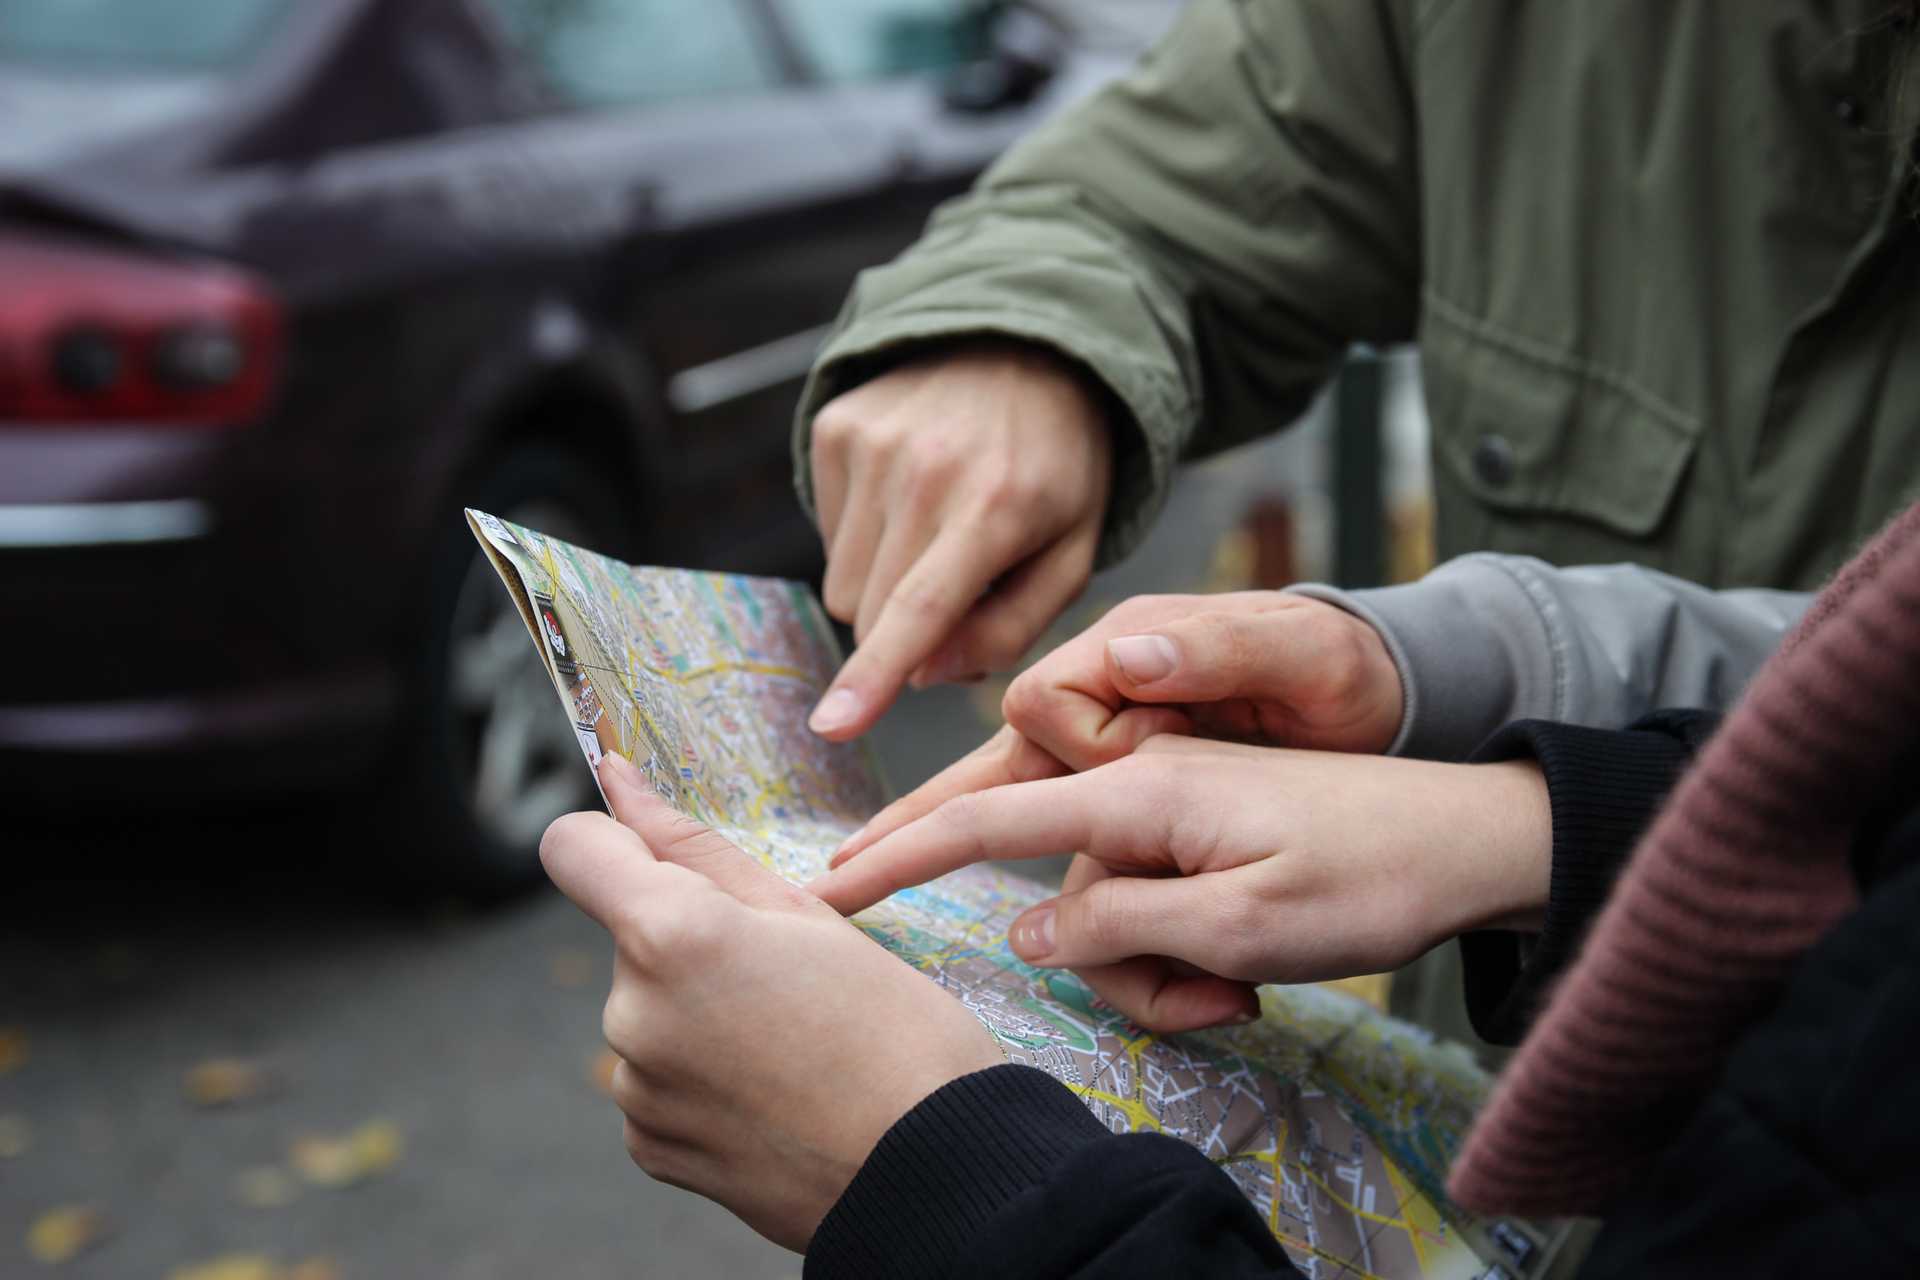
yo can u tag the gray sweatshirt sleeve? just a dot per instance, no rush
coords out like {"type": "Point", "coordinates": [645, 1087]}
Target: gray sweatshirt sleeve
{"type": "Point", "coordinates": [1488, 639]}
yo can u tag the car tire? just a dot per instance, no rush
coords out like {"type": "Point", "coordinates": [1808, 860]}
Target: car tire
{"type": "Point", "coordinates": [488, 756]}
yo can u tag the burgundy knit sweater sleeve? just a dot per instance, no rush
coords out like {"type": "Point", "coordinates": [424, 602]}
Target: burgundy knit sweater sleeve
{"type": "Point", "coordinates": [1604, 787]}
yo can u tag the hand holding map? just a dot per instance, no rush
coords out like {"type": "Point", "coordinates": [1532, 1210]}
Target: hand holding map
{"type": "Point", "coordinates": [713, 949]}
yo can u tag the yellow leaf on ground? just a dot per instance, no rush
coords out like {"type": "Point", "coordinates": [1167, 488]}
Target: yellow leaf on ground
{"type": "Point", "coordinates": [602, 1070]}
{"type": "Point", "coordinates": [266, 1186]}
{"type": "Point", "coordinates": [16, 1136]}
{"type": "Point", "coordinates": [13, 1049]}
{"type": "Point", "coordinates": [323, 1161]}
{"type": "Point", "coordinates": [255, 1266]}
{"type": "Point", "coordinates": [59, 1235]}
{"type": "Point", "coordinates": [342, 1161]}
{"type": "Point", "coordinates": [377, 1146]}
{"type": "Point", "coordinates": [570, 967]}
{"type": "Point", "coordinates": [224, 1082]}
{"type": "Point", "coordinates": [232, 1266]}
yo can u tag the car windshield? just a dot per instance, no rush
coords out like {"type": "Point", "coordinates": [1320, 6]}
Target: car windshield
{"type": "Point", "coordinates": [134, 35]}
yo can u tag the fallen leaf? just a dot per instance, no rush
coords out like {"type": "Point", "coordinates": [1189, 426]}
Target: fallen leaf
{"type": "Point", "coordinates": [232, 1266]}
{"type": "Point", "coordinates": [602, 1070]}
{"type": "Point", "coordinates": [13, 1049]}
{"type": "Point", "coordinates": [16, 1136]}
{"type": "Point", "coordinates": [342, 1161]}
{"type": "Point", "coordinates": [266, 1186]}
{"type": "Point", "coordinates": [225, 1082]}
{"type": "Point", "coordinates": [255, 1266]}
{"type": "Point", "coordinates": [570, 967]}
{"type": "Point", "coordinates": [60, 1235]}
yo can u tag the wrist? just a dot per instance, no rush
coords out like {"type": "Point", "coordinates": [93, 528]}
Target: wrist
{"type": "Point", "coordinates": [1508, 847]}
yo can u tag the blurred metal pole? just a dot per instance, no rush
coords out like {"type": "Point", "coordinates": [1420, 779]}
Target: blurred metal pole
{"type": "Point", "coordinates": [1359, 473]}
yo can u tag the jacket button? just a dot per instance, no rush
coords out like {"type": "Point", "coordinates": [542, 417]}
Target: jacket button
{"type": "Point", "coordinates": [1493, 461]}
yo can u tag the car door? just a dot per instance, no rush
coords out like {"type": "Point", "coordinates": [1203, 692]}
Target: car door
{"type": "Point", "coordinates": [750, 234]}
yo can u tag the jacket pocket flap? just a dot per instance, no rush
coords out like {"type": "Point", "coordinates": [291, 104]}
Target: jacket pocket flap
{"type": "Point", "coordinates": [1540, 433]}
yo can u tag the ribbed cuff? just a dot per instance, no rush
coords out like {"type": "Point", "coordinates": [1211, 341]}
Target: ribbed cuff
{"type": "Point", "coordinates": [1604, 787]}
{"type": "Point", "coordinates": [944, 1170]}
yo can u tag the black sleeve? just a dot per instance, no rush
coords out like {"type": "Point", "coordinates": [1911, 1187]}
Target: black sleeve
{"type": "Point", "coordinates": [1604, 787]}
{"type": "Point", "coordinates": [1004, 1174]}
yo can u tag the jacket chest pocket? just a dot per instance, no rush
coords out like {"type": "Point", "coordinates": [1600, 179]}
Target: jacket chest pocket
{"type": "Point", "coordinates": [1529, 430]}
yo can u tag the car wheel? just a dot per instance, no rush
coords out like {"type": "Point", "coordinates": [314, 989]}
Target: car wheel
{"type": "Point", "coordinates": [493, 757]}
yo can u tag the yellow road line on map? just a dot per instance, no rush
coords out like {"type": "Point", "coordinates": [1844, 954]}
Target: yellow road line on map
{"type": "Point", "coordinates": [1279, 1151]}
{"type": "Point", "coordinates": [1133, 1108]}
{"type": "Point", "coordinates": [1273, 1160]}
{"type": "Point", "coordinates": [1348, 1265]}
{"type": "Point", "coordinates": [1412, 1199]}
{"type": "Point", "coordinates": [722, 668]}
{"type": "Point", "coordinates": [1353, 1209]}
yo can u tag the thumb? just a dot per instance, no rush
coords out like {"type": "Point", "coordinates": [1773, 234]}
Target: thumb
{"type": "Point", "coordinates": [1121, 917]}
{"type": "Point", "coordinates": [1166, 996]}
{"type": "Point", "coordinates": [674, 837]}
{"type": "Point", "coordinates": [599, 864]}
{"type": "Point", "coordinates": [1215, 656]}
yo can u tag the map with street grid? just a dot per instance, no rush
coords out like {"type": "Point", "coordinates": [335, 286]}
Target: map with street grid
{"type": "Point", "coordinates": [1337, 1122]}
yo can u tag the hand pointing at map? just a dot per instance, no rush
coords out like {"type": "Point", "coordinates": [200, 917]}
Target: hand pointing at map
{"type": "Point", "coordinates": [764, 1043]}
{"type": "Point", "coordinates": [1249, 864]}
{"type": "Point", "coordinates": [961, 498]}
{"type": "Point", "coordinates": [1259, 666]}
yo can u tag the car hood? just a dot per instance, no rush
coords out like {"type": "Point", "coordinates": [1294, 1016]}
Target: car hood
{"type": "Point", "coordinates": [54, 122]}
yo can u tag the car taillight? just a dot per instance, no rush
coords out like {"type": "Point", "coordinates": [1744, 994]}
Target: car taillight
{"type": "Point", "coordinates": [92, 335]}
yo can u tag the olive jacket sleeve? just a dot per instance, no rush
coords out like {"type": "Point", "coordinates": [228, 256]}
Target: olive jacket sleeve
{"type": "Point", "coordinates": [1206, 237]}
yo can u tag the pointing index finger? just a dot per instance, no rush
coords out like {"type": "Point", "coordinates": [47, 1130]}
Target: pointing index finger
{"type": "Point", "coordinates": [1007, 823]}
{"type": "Point", "coordinates": [920, 612]}
{"type": "Point", "coordinates": [1004, 758]}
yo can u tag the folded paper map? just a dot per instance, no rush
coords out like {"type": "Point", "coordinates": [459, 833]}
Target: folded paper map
{"type": "Point", "coordinates": [1337, 1122]}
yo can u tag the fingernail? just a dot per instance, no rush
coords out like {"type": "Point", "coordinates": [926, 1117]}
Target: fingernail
{"type": "Point", "coordinates": [1144, 659]}
{"type": "Point", "coordinates": [623, 769]}
{"type": "Point", "coordinates": [1245, 1016]}
{"type": "Point", "coordinates": [836, 711]}
{"type": "Point", "coordinates": [1032, 934]}
{"type": "Point", "coordinates": [851, 840]}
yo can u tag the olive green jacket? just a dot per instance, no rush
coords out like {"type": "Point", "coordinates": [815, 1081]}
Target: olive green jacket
{"type": "Point", "coordinates": [1659, 257]}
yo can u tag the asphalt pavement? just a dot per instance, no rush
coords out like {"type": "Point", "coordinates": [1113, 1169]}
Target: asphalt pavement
{"type": "Point", "coordinates": [225, 1055]}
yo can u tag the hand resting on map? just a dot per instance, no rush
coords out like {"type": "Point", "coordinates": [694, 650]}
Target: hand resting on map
{"type": "Point", "coordinates": [765, 1045]}
{"type": "Point", "coordinates": [1253, 666]}
{"type": "Point", "coordinates": [1209, 867]}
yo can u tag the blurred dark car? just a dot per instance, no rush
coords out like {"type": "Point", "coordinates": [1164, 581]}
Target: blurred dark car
{"type": "Point", "coordinates": [286, 283]}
